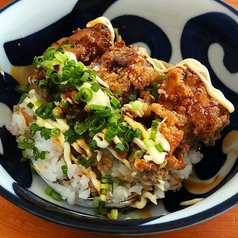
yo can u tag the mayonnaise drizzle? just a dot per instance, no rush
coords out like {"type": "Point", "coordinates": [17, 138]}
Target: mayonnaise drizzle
{"type": "Point", "coordinates": [157, 64]}
{"type": "Point", "coordinates": [143, 200]}
{"type": "Point", "coordinates": [203, 73]}
{"type": "Point", "coordinates": [229, 147]}
{"type": "Point", "coordinates": [106, 22]}
{"type": "Point", "coordinates": [98, 98]}
{"type": "Point", "coordinates": [199, 69]}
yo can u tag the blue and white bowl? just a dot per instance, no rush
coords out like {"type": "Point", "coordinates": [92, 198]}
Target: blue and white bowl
{"type": "Point", "coordinates": [206, 30]}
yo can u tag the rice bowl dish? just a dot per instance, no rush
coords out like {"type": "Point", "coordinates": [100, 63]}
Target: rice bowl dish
{"type": "Point", "coordinates": [155, 60]}
{"type": "Point", "coordinates": [104, 121]}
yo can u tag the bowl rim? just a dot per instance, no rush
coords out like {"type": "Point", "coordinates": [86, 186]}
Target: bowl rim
{"type": "Point", "coordinates": [135, 227]}
{"type": "Point", "coordinates": [120, 227]}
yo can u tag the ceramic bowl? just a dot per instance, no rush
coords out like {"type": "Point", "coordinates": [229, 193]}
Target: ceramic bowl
{"type": "Point", "coordinates": [206, 30]}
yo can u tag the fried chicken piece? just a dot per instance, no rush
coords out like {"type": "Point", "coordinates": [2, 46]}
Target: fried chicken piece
{"type": "Point", "coordinates": [124, 69]}
{"type": "Point", "coordinates": [192, 114]}
{"type": "Point", "coordinates": [89, 44]}
{"type": "Point", "coordinates": [187, 95]}
{"type": "Point", "coordinates": [147, 171]}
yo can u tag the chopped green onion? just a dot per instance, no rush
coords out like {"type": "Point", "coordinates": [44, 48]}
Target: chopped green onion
{"type": "Point", "coordinates": [89, 162]}
{"type": "Point", "coordinates": [84, 94]}
{"type": "Point", "coordinates": [40, 123]}
{"type": "Point", "coordinates": [115, 103]}
{"type": "Point", "coordinates": [56, 78]}
{"type": "Point", "coordinates": [97, 124]}
{"type": "Point", "coordinates": [93, 145]}
{"type": "Point", "coordinates": [61, 47]}
{"type": "Point", "coordinates": [159, 147]}
{"type": "Point", "coordinates": [38, 103]}
{"type": "Point", "coordinates": [101, 209]}
{"type": "Point", "coordinates": [45, 133]}
{"type": "Point", "coordinates": [95, 201]}
{"type": "Point", "coordinates": [129, 135]}
{"type": "Point", "coordinates": [117, 116]}
{"type": "Point", "coordinates": [149, 144]}
{"type": "Point", "coordinates": [107, 90]}
{"type": "Point", "coordinates": [125, 210]}
{"type": "Point", "coordinates": [120, 182]}
{"type": "Point", "coordinates": [105, 179]}
{"type": "Point", "coordinates": [103, 113]}
{"type": "Point", "coordinates": [34, 128]}
{"type": "Point", "coordinates": [45, 110]}
{"type": "Point", "coordinates": [136, 217]}
{"type": "Point", "coordinates": [104, 185]}
{"type": "Point", "coordinates": [27, 143]}
{"type": "Point", "coordinates": [64, 169]}
{"type": "Point", "coordinates": [49, 55]}
{"type": "Point", "coordinates": [121, 129]}
{"type": "Point", "coordinates": [95, 87]}
{"type": "Point", "coordinates": [22, 160]}
{"type": "Point", "coordinates": [30, 105]}
{"type": "Point", "coordinates": [22, 89]}
{"type": "Point", "coordinates": [42, 84]}
{"type": "Point", "coordinates": [113, 122]}
{"type": "Point", "coordinates": [22, 98]}
{"type": "Point", "coordinates": [154, 129]}
{"type": "Point", "coordinates": [132, 97]}
{"type": "Point", "coordinates": [153, 90]}
{"type": "Point", "coordinates": [24, 154]}
{"type": "Point", "coordinates": [48, 72]}
{"type": "Point", "coordinates": [81, 160]}
{"type": "Point", "coordinates": [51, 192]}
{"type": "Point", "coordinates": [114, 214]}
{"type": "Point", "coordinates": [110, 133]}
{"type": "Point", "coordinates": [38, 154]}
{"type": "Point", "coordinates": [56, 196]}
{"type": "Point", "coordinates": [78, 64]}
{"type": "Point", "coordinates": [70, 136]}
{"type": "Point", "coordinates": [99, 110]}
{"type": "Point", "coordinates": [120, 147]}
{"type": "Point", "coordinates": [60, 56]}
{"type": "Point", "coordinates": [103, 191]}
{"type": "Point", "coordinates": [85, 77]}
{"type": "Point", "coordinates": [92, 76]}
{"type": "Point", "coordinates": [138, 154]}
{"type": "Point", "coordinates": [86, 162]}
{"type": "Point", "coordinates": [137, 133]}
{"type": "Point", "coordinates": [37, 61]}
{"type": "Point", "coordinates": [79, 128]}
{"type": "Point", "coordinates": [63, 103]}
{"type": "Point", "coordinates": [55, 132]}
{"type": "Point", "coordinates": [137, 105]}
{"type": "Point", "coordinates": [126, 144]}
{"type": "Point", "coordinates": [48, 190]}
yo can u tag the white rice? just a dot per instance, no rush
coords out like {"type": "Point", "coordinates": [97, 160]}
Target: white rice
{"type": "Point", "coordinates": [79, 183]}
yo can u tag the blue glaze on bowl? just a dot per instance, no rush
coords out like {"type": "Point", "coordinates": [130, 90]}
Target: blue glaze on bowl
{"type": "Point", "coordinates": [10, 160]}
{"type": "Point", "coordinates": [208, 31]}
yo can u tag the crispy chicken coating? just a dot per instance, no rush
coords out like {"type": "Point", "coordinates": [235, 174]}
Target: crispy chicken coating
{"type": "Point", "coordinates": [88, 44]}
{"type": "Point", "coordinates": [202, 116]}
{"type": "Point", "coordinates": [125, 69]}
{"type": "Point", "coordinates": [192, 114]}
